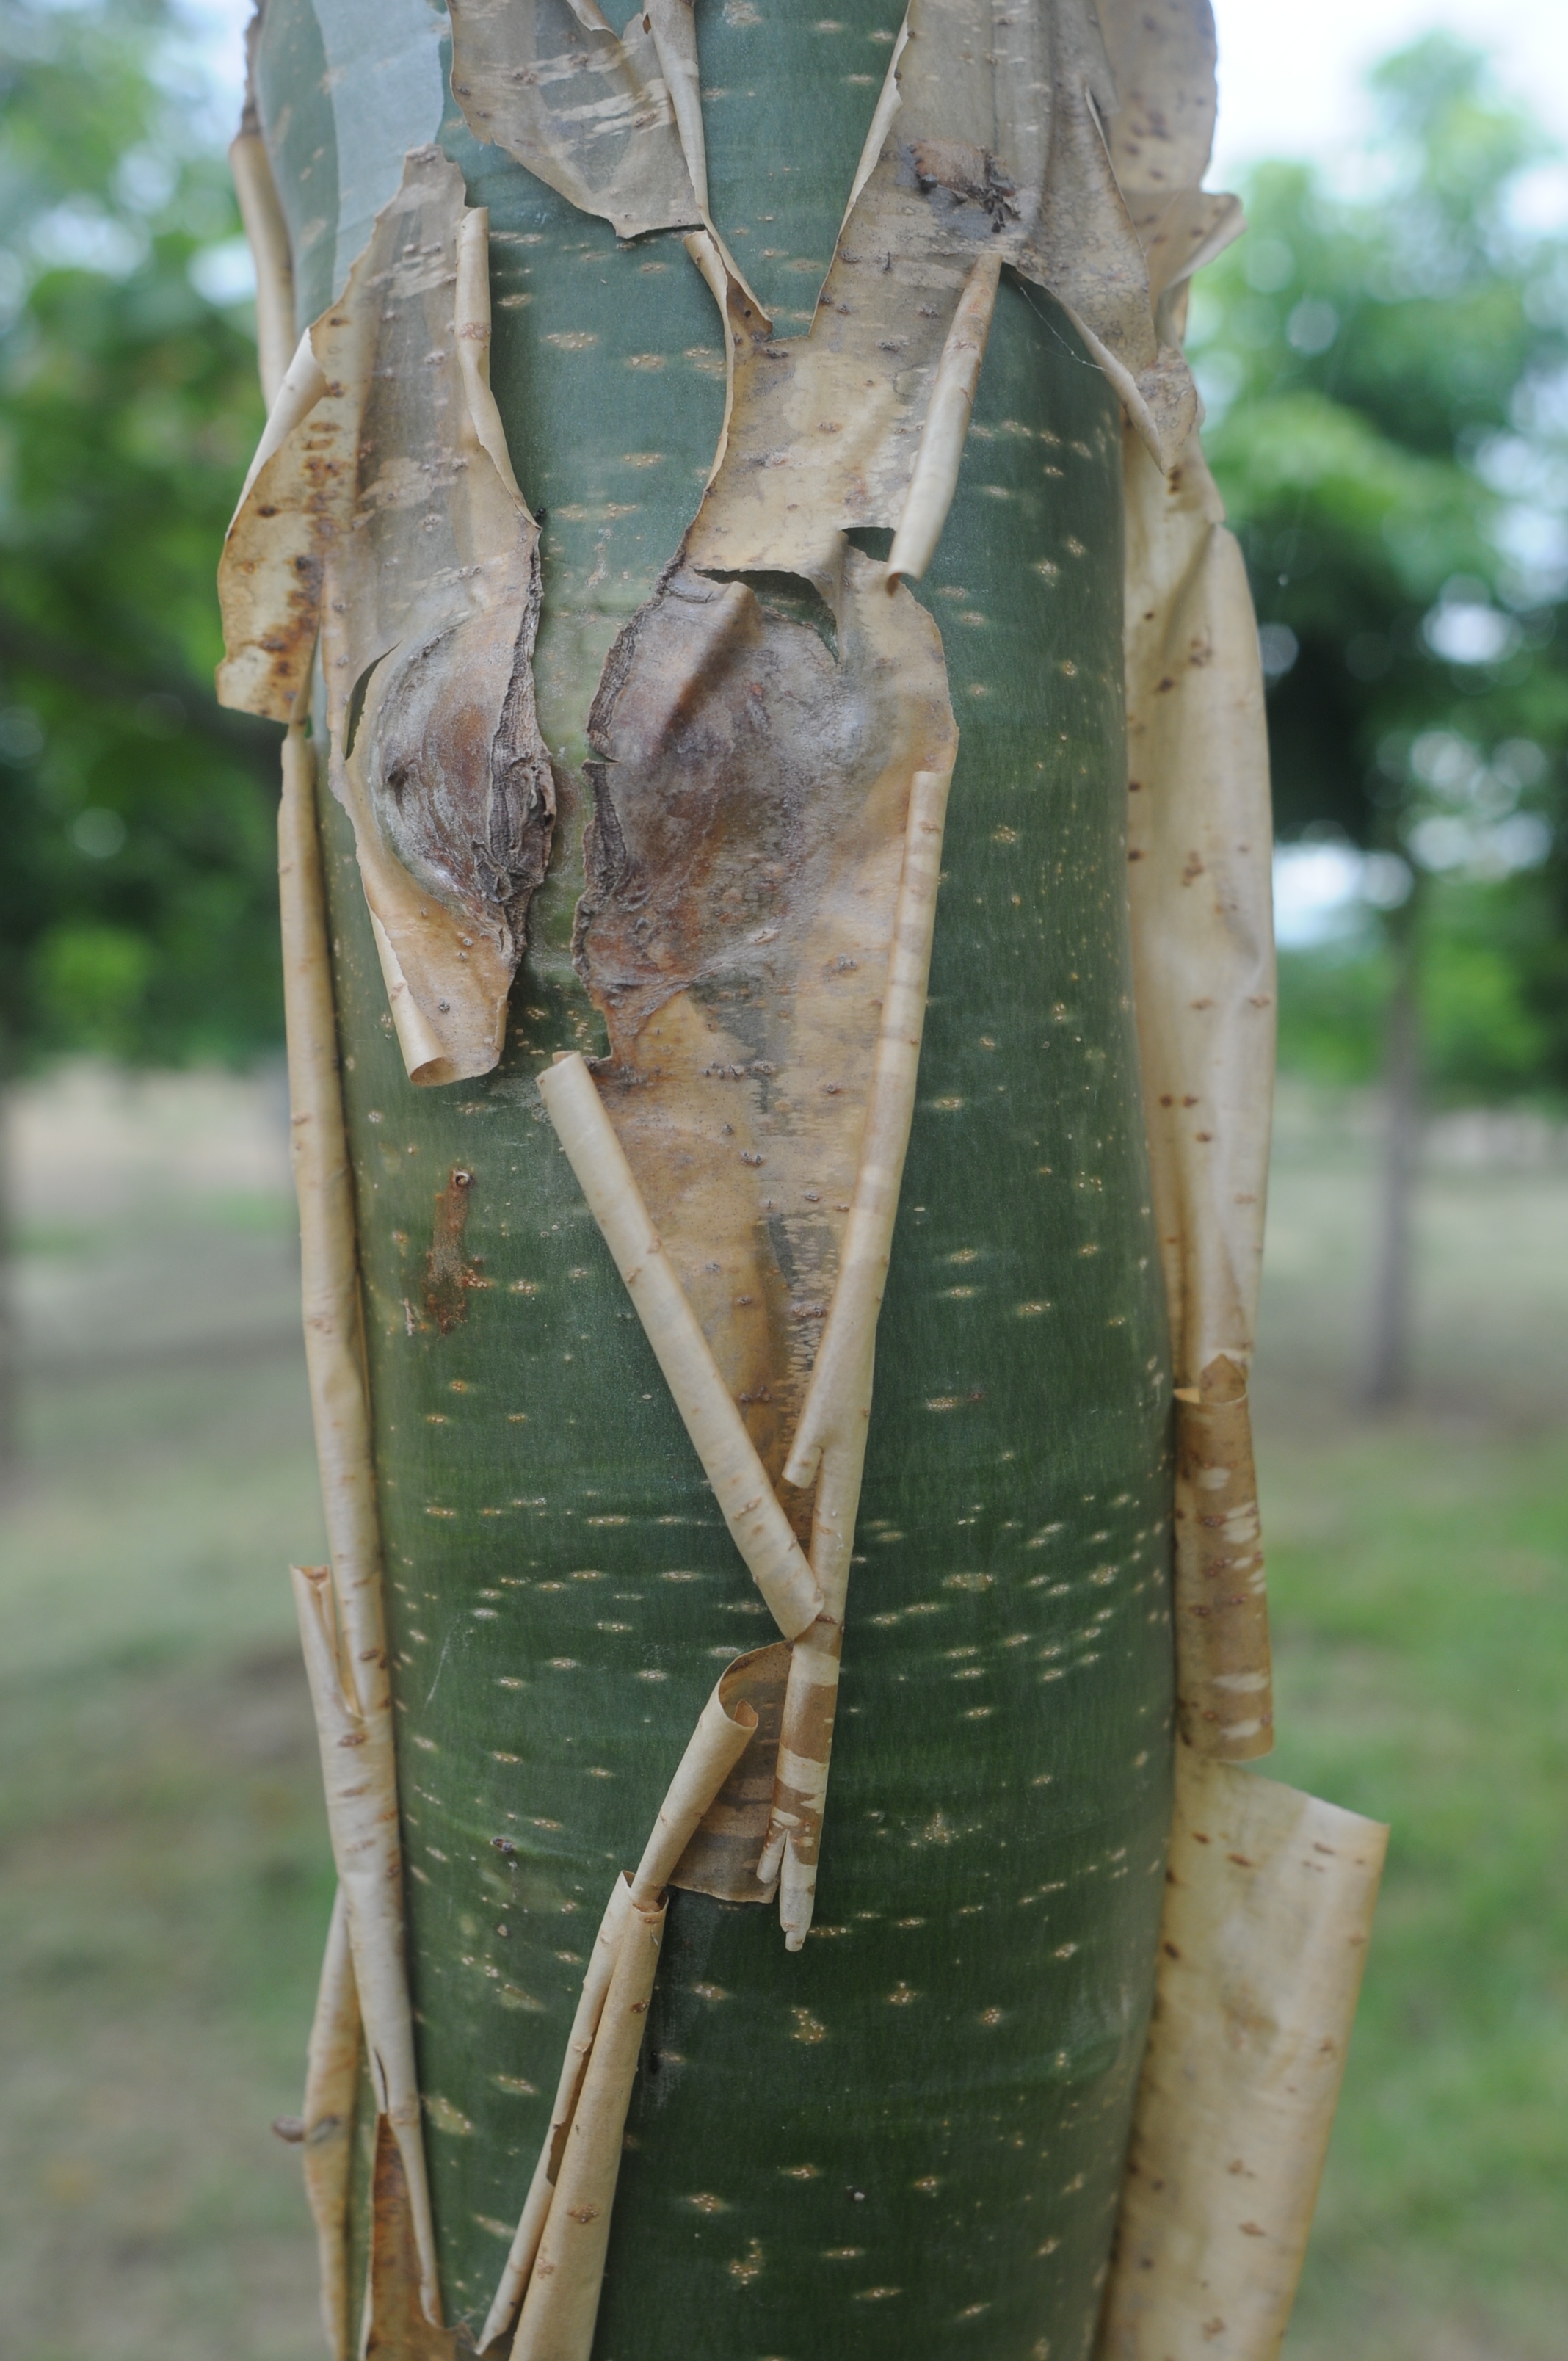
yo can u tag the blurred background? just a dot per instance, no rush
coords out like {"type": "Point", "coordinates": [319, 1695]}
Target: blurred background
{"type": "Point", "coordinates": [1385, 365]}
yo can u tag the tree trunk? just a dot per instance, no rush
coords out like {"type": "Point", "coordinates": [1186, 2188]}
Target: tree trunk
{"type": "Point", "coordinates": [906, 2133]}
{"type": "Point", "coordinates": [1387, 1381]}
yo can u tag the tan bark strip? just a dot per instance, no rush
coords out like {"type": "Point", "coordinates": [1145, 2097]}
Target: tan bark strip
{"type": "Point", "coordinates": [562, 2298]}
{"type": "Point", "coordinates": [746, 1499]}
{"type": "Point", "coordinates": [360, 1777]}
{"type": "Point", "coordinates": [1268, 1906]}
{"type": "Point", "coordinates": [382, 506]}
{"type": "Point", "coordinates": [830, 1441]}
{"type": "Point", "coordinates": [805, 1739]}
{"type": "Point", "coordinates": [721, 1857]}
{"type": "Point", "coordinates": [839, 1393]}
{"type": "Point", "coordinates": [574, 2066]}
{"type": "Point", "coordinates": [290, 402]}
{"type": "Point", "coordinates": [1224, 1694]}
{"type": "Point", "coordinates": [332, 2074]}
{"type": "Point", "coordinates": [342, 1621]}
{"type": "Point", "coordinates": [1199, 849]}
{"type": "Point", "coordinates": [589, 114]}
{"type": "Point", "coordinates": [471, 322]}
{"type": "Point", "coordinates": [1199, 895]}
{"type": "Point", "coordinates": [936, 475]}
{"type": "Point", "coordinates": [672, 24]}
{"type": "Point", "coordinates": [267, 234]}
{"type": "Point", "coordinates": [724, 1730]}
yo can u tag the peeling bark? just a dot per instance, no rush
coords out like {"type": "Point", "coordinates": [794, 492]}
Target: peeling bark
{"type": "Point", "coordinates": [383, 511]}
{"type": "Point", "coordinates": [771, 743]}
{"type": "Point", "coordinates": [1270, 1902]}
{"type": "Point", "coordinates": [331, 2075]}
{"type": "Point", "coordinates": [342, 1616]}
{"type": "Point", "coordinates": [589, 112]}
{"type": "Point", "coordinates": [1224, 1697]}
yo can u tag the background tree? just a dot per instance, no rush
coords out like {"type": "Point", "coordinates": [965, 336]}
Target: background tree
{"type": "Point", "coordinates": [1385, 378]}
{"type": "Point", "coordinates": [138, 903]}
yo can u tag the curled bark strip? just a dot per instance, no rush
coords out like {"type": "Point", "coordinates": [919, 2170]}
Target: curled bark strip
{"type": "Point", "coordinates": [579, 2048]}
{"type": "Point", "coordinates": [672, 24]}
{"type": "Point", "coordinates": [382, 505]}
{"type": "Point", "coordinates": [1224, 1696]}
{"type": "Point", "coordinates": [332, 2074]}
{"type": "Point", "coordinates": [341, 1614]}
{"type": "Point", "coordinates": [829, 1445]}
{"type": "Point", "coordinates": [360, 1777]}
{"type": "Point", "coordinates": [1163, 62]}
{"type": "Point", "coordinates": [840, 1396]}
{"type": "Point", "coordinates": [268, 235]}
{"type": "Point", "coordinates": [936, 475]}
{"type": "Point", "coordinates": [562, 2303]}
{"type": "Point", "coordinates": [589, 114]}
{"type": "Point", "coordinates": [266, 231]}
{"type": "Point", "coordinates": [1199, 890]}
{"type": "Point", "coordinates": [721, 1856]}
{"type": "Point", "coordinates": [746, 1499]}
{"type": "Point", "coordinates": [725, 1727]}
{"type": "Point", "coordinates": [724, 1731]}
{"type": "Point", "coordinates": [1269, 1906]}
{"type": "Point", "coordinates": [806, 1737]}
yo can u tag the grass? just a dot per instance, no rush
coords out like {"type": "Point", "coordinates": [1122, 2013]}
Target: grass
{"type": "Point", "coordinates": [163, 1875]}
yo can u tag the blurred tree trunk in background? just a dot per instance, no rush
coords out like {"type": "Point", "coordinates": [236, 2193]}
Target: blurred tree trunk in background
{"type": "Point", "coordinates": [1390, 1294]}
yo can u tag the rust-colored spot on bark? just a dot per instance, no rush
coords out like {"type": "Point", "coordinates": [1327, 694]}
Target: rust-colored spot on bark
{"type": "Point", "coordinates": [447, 1275]}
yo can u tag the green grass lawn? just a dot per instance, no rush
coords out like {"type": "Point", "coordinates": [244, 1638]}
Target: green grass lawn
{"type": "Point", "coordinates": [164, 1882]}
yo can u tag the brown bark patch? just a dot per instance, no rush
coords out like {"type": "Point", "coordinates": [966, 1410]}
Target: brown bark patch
{"type": "Point", "coordinates": [755, 740]}
{"type": "Point", "coordinates": [448, 1275]}
{"type": "Point", "coordinates": [398, 2328]}
{"type": "Point", "coordinates": [1223, 1682]}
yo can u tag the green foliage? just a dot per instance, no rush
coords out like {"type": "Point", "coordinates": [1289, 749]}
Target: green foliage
{"type": "Point", "coordinates": [137, 905]}
{"type": "Point", "coordinates": [1485, 1036]}
{"type": "Point", "coordinates": [1387, 377]}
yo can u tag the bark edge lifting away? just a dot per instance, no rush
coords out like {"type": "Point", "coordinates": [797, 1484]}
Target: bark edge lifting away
{"type": "Point", "coordinates": [382, 508]}
{"type": "Point", "coordinates": [747, 1501]}
{"type": "Point", "coordinates": [556, 2260]}
{"type": "Point", "coordinates": [340, 1608]}
{"type": "Point", "coordinates": [1199, 894]}
{"type": "Point", "coordinates": [1269, 1898]}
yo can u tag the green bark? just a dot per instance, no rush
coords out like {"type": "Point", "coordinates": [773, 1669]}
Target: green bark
{"type": "Point", "coordinates": [908, 2139]}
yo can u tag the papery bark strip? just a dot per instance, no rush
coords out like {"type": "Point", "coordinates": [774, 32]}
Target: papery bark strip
{"type": "Point", "coordinates": [830, 1442]}
{"type": "Point", "coordinates": [1269, 1906]}
{"type": "Point", "coordinates": [574, 2066]}
{"type": "Point", "coordinates": [332, 2074]}
{"type": "Point", "coordinates": [562, 2303]}
{"type": "Point", "coordinates": [746, 1498]}
{"type": "Point", "coordinates": [936, 475]}
{"type": "Point", "coordinates": [341, 1613]}
{"type": "Point", "coordinates": [723, 1730]}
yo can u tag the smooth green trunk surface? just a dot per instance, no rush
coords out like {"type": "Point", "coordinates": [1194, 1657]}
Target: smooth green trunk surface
{"type": "Point", "coordinates": [907, 2140]}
